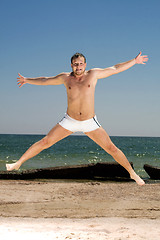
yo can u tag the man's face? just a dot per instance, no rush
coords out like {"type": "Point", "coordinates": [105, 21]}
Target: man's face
{"type": "Point", "coordinates": [78, 66]}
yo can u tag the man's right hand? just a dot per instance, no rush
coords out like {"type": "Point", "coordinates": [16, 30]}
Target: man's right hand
{"type": "Point", "coordinates": [21, 80]}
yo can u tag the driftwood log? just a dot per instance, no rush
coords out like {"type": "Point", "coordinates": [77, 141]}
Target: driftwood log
{"type": "Point", "coordinates": [111, 170]}
{"type": "Point", "coordinates": [153, 172]}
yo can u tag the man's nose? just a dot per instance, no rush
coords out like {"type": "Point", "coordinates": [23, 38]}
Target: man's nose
{"type": "Point", "coordinates": [78, 66]}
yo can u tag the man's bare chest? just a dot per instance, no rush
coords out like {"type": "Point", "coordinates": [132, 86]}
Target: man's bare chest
{"type": "Point", "coordinates": [85, 83]}
{"type": "Point", "coordinates": [80, 89]}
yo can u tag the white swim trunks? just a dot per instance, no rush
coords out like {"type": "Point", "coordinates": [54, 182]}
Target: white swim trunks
{"type": "Point", "coordinates": [74, 125]}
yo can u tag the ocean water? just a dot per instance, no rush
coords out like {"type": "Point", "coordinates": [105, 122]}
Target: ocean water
{"type": "Point", "coordinates": [75, 150]}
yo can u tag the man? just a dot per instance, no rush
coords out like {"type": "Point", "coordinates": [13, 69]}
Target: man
{"type": "Point", "coordinates": [80, 116]}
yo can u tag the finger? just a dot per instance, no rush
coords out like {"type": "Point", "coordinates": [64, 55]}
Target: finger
{"type": "Point", "coordinates": [145, 59]}
{"type": "Point", "coordinates": [19, 83]}
{"type": "Point", "coordinates": [139, 54]}
{"type": "Point", "coordinates": [20, 76]}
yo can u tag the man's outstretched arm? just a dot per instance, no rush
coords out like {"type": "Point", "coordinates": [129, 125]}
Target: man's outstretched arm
{"type": "Point", "coordinates": [57, 80]}
{"type": "Point", "coordinates": [120, 67]}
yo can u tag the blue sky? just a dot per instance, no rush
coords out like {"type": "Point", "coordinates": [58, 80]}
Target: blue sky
{"type": "Point", "coordinates": [38, 37]}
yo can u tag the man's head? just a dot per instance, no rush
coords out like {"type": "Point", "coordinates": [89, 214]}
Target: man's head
{"type": "Point", "coordinates": [77, 55]}
{"type": "Point", "coordinates": [78, 64]}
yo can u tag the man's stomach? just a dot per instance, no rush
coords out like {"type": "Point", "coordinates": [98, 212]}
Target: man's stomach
{"type": "Point", "coordinates": [81, 112]}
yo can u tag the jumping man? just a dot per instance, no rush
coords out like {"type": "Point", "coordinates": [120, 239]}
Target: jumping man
{"type": "Point", "coordinates": [80, 116]}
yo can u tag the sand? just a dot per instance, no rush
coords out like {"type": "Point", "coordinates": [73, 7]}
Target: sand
{"type": "Point", "coordinates": [79, 210]}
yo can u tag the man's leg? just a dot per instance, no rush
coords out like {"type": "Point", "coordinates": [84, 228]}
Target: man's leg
{"type": "Point", "coordinates": [56, 134]}
{"type": "Point", "coordinates": [102, 139]}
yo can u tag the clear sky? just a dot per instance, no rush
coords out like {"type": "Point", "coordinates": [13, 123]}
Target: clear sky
{"type": "Point", "coordinates": [38, 37]}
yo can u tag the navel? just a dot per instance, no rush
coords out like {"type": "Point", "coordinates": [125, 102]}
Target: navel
{"type": "Point", "coordinates": [89, 85]}
{"type": "Point", "coordinates": [69, 87]}
{"type": "Point", "coordinates": [80, 113]}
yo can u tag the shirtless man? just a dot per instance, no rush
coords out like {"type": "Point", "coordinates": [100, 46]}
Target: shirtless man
{"type": "Point", "coordinates": [80, 116]}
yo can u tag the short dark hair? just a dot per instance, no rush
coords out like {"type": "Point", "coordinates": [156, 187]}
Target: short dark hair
{"type": "Point", "coordinates": [76, 55]}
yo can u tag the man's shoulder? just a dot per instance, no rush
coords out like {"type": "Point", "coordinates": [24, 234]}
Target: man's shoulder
{"type": "Point", "coordinates": [93, 71]}
{"type": "Point", "coordinates": [64, 75]}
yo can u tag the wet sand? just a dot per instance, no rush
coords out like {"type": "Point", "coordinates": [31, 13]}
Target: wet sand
{"type": "Point", "coordinates": [80, 209]}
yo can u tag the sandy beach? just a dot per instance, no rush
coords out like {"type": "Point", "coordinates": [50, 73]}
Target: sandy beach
{"type": "Point", "coordinates": [79, 210]}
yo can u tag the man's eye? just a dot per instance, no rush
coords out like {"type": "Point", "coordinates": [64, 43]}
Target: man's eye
{"type": "Point", "coordinates": [77, 64]}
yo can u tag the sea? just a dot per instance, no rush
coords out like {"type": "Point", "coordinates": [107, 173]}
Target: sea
{"type": "Point", "coordinates": [79, 149]}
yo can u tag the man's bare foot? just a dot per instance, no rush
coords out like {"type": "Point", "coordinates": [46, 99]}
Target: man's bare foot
{"type": "Point", "coordinates": [138, 180]}
{"type": "Point", "coordinates": [12, 166]}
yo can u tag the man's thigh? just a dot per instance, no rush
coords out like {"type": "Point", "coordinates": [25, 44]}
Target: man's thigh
{"type": "Point", "coordinates": [57, 133]}
{"type": "Point", "coordinates": [101, 137]}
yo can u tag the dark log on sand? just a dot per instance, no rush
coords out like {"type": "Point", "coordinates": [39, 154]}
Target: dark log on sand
{"type": "Point", "coordinates": [64, 172]}
{"type": "Point", "coordinates": [153, 172]}
{"type": "Point", "coordinates": [86, 171]}
{"type": "Point", "coordinates": [110, 170]}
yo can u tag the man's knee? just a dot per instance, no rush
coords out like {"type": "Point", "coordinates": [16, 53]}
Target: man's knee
{"type": "Point", "coordinates": [111, 149]}
{"type": "Point", "coordinates": [46, 142]}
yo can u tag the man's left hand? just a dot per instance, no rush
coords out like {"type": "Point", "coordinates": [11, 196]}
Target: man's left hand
{"type": "Point", "coordinates": [141, 59]}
